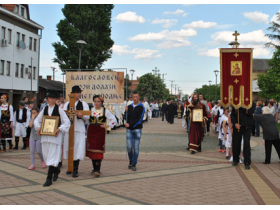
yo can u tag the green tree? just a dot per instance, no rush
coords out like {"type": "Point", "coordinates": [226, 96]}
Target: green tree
{"type": "Point", "coordinates": [88, 22]}
{"type": "Point", "coordinates": [152, 87]}
{"type": "Point", "coordinates": [205, 91]}
{"type": "Point", "coordinates": [275, 27]}
{"type": "Point", "coordinates": [185, 97]}
{"type": "Point", "coordinates": [269, 83]}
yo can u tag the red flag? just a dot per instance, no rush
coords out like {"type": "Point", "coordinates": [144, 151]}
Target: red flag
{"type": "Point", "coordinates": [236, 77]}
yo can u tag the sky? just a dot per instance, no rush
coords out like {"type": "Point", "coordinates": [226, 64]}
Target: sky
{"type": "Point", "coordinates": [181, 41]}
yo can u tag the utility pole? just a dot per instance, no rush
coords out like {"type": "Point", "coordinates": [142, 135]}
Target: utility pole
{"type": "Point", "coordinates": [171, 84]}
{"type": "Point", "coordinates": [163, 76]}
{"type": "Point", "coordinates": [156, 71]}
{"type": "Point", "coordinates": [53, 69]}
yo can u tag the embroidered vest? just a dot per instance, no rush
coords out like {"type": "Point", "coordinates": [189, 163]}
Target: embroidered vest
{"type": "Point", "coordinates": [78, 107]}
{"type": "Point", "coordinates": [54, 113]}
{"type": "Point", "coordinates": [23, 118]}
{"type": "Point", "coordinates": [100, 120]}
{"type": "Point", "coordinates": [5, 114]}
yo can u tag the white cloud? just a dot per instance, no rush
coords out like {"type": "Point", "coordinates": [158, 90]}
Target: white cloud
{"type": "Point", "coordinates": [259, 51]}
{"type": "Point", "coordinates": [167, 22]}
{"type": "Point", "coordinates": [178, 12]}
{"type": "Point", "coordinates": [257, 17]}
{"type": "Point", "coordinates": [209, 52]}
{"type": "Point", "coordinates": [165, 34]}
{"type": "Point", "coordinates": [200, 24]}
{"type": "Point", "coordinates": [145, 54]}
{"type": "Point", "coordinates": [170, 39]}
{"type": "Point", "coordinates": [130, 17]}
{"type": "Point", "coordinates": [250, 37]}
{"type": "Point", "coordinates": [275, 18]}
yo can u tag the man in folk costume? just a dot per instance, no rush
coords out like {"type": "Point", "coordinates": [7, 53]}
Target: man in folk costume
{"type": "Point", "coordinates": [95, 146]}
{"type": "Point", "coordinates": [6, 123]}
{"type": "Point", "coordinates": [196, 128]}
{"type": "Point", "coordinates": [30, 105]}
{"type": "Point", "coordinates": [52, 145]}
{"type": "Point", "coordinates": [79, 129]}
{"type": "Point", "coordinates": [21, 116]}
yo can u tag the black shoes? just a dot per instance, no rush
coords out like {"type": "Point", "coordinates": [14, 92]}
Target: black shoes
{"type": "Point", "coordinates": [55, 174]}
{"type": "Point", "coordinates": [187, 148]}
{"type": "Point", "coordinates": [193, 152]}
{"type": "Point", "coordinates": [75, 174]}
{"type": "Point", "coordinates": [247, 167]}
{"type": "Point", "coordinates": [265, 163]}
{"type": "Point", "coordinates": [129, 165]}
{"type": "Point", "coordinates": [47, 183]}
{"type": "Point", "coordinates": [68, 172]}
{"type": "Point", "coordinates": [234, 163]}
{"type": "Point", "coordinates": [133, 168]}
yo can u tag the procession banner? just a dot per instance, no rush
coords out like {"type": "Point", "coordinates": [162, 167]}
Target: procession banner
{"type": "Point", "coordinates": [110, 85]}
{"type": "Point", "coordinates": [236, 77]}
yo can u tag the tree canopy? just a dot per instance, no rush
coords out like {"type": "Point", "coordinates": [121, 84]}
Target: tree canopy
{"type": "Point", "coordinates": [90, 23]}
{"type": "Point", "coordinates": [269, 83]}
{"type": "Point", "coordinates": [205, 91]}
{"type": "Point", "coordinates": [275, 27]}
{"type": "Point", "coordinates": [152, 87]}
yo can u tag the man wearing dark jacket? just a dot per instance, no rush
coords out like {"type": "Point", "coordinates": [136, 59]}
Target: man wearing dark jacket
{"type": "Point", "coordinates": [134, 116]}
{"type": "Point", "coordinates": [243, 128]}
{"type": "Point", "coordinates": [163, 110]}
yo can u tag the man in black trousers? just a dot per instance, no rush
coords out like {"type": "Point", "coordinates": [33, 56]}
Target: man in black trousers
{"type": "Point", "coordinates": [243, 128]}
{"type": "Point", "coordinates": [163, 110]}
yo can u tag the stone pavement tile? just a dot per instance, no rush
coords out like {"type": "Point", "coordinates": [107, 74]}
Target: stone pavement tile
{"type": "Point", "coordinates": [128, 203]}
{"type": "Point", "coordinates": [73, 190]}
{"type": "Point", "coordinates": [7, 181]}
{"type": "Point", "coordinates": [10, 191]}
{"type": "Point", "coordinates": [85, 182]}
{"type": "Point", "coordinates": [32, 188]}
{"type": "Point", "coordinates": [62, 184]}
{"type": "Point", "coordinates": [90, 194]}
{"type": "Point", "coordinates": [109, 200]}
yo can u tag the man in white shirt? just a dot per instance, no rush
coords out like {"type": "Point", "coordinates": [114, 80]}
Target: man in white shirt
{"type": "Point", "coordinates": [79, 132]}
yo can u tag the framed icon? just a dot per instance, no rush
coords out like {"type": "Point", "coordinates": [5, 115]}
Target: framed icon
{"type": "Point", "coordinates": [197, 115]}
{"type": "Point", "coordinates": [236, 68]}
{"type": "Point", "coordinates": [49, 125]}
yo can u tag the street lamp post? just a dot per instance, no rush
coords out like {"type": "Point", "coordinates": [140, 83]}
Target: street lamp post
{"type": "Point", "coordinates": [151, 81]}
{"type": "Point", "coordinates": [216, 74]}
{"type": "Point", "coordinates": [131, 72]}
{"type": "Point", "coordinates": [81, 44]}
{"type": "Point", "coordinates": [209, 89]}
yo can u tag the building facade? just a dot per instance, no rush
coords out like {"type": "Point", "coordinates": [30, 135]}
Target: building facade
{"type": "Point", "coordinates": [19, 52]}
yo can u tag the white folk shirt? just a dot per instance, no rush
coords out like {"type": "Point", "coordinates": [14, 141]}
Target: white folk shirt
{"type": "Point", "coordinates": [108, 114]}
{"type": "Point", "coordinates": [79, 125]}
{"type": "Point", "coordinates": [5, 107]}
{"type": "Point", "coordinates": [28, 115]}
{"type": "Point", "coordinates": [64, 126]}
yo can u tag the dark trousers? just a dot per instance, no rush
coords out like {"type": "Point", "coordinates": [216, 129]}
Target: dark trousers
{"type": "Point", "coordinates": [208, 124]}
{"type": "Point", "coordinates": [253, 129]}
{"type": "Point", "coordinates": [257, 126]}
{"type": "Point", "coordinates": [162, 115]}
{"type": "Point", "coordinates": [268, 147]}
{"type": "Point", "coordinates": [236, 144]}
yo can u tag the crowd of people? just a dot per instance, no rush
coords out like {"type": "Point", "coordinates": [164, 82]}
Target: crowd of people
{"type": "Point", "coordinates": [234, 128]}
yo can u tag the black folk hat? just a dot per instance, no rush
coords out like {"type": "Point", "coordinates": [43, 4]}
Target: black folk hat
{"type": "Point", "coordinates": [76, 89]}
{"type": "Point", "coordinates": [29, 102]}
{"type": "Point", "coordinates": [53, 94]}
{"type": "Point", "coordinates": [22, 103]}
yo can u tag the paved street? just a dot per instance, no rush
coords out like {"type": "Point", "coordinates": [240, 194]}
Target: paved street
{"type": "Point", "coordinates": [166, 174]}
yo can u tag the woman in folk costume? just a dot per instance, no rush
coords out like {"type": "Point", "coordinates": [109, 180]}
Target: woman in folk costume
{"type": "Point", "coordinates": [96, 132]}
{"type": "Point", "coordinates": [79, 131]}
{"type": "Point", "coordinates": [6, 124]}
{"type": "Point", "coordinates": [52, 145]}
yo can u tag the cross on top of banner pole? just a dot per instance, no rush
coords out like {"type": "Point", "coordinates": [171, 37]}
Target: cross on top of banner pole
{"type": "Point", "coordinates": [235, 34]}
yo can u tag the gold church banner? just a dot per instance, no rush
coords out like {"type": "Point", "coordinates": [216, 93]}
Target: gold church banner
{"type": "Point", "coordinates": [110, 85]}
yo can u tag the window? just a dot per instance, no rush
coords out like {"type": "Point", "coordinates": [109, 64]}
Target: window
{"type": "Point", "coordinates": [21, 70]}
{"type": "Point", "coordinates": [2, 67]}
{"type": "Point", "coordinates": [23, 37]}
{"type": "Point", "coordinates": [35, 45]}
{"type": "Point", "coordinates": [3, 35]}
{"type": "Point", "coordinates": [8, 68]}
{"type": "Point", "coordinates": [30, 43]}
{"type": "Point", "coordinates": [18, 38]}
{"type": "Point", "coordinates": [16, 9]}
{"type": "Point", "coordinates": [22, 11]}
{"type": "Point", "coordinates": [16, 70]}
{"type": "Point", "coordinates": [9, 37]}
{"type": "Point", "coordinates": [34, 73]}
